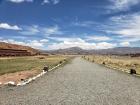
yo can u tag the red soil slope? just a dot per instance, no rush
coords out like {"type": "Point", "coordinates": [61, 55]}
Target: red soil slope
{"type": "Point", "coordinates": [4, 45]}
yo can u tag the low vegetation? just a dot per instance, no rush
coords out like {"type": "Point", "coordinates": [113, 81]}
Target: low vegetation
{"type": "Point", "coordinates": [17, 69]}
{"type": "Point", "coordinates": [120, 62]}
{"type": "Point", "coordinates": [16, 64]}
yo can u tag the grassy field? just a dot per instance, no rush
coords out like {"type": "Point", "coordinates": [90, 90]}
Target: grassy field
{"type": "Point", "coordinates": [120, 62]}
{"type": "Point", "coordinates": [15, 64]}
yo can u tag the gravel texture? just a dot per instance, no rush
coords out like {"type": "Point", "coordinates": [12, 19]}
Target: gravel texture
{"type": "Point", "coordinates": [77, 83]}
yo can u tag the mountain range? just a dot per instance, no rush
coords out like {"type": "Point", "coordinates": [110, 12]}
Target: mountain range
{"type": "Point", "coordinates": [75, 50]}
{"type": "Point", "coordinates": [111, 51]}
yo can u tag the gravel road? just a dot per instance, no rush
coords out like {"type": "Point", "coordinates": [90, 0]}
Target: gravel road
{"type": "Point", "coordinates": [77, 83]}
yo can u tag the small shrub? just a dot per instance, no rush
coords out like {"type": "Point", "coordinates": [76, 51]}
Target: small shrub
{"type": "Point", "coordinates": [103, 63]}
{"type": "Point", "coordinates": [132, 71]}
{"type": "Point", "coordinates": [46, 68]}
{"type": "Point", "coordinates": [60, 62]}
{"type": "Point", "coordinates": [22, 79]}
{"type": "Point", "coordinates": [41, 57]}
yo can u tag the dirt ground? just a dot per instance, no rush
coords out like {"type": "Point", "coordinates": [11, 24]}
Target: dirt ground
{"type": "Point", "coordinates": [18, 76]}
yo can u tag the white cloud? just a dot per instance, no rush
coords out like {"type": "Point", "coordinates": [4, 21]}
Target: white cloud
{"type": "Point", "coordinates": [105, 45]}
{"type": "Point", "coordinates": [68, 44]}
{"type": "Point", "coordinates": [130, 39]}
{"type": "Point", "coordinates": [125, 44]}
{"type": "Point", "coordinates": [46, 2]}
{"type": "Point", "coordinates": [35, 44]}
{"type": "Point", "coordinates": [123, 5]}
{"type": "Point", "coordinates": [10, 27]}
{"type": "Point", "coordinates": [38, 30]}
{"type": "Point", "coordinates": [132, 32]}
{"type": "Point", "coordinates": [62, 39]}
{"type": "Point", "coordinates": [126, 26]}
{"type": "Point", "coordinates": [12, 41]}
{"type": "Point", "coordinates": [51, 1]}
{"type": "Point", "coordinates": [20, 1]}
{"type": "Point", "coordinates": [32, 43]}
{"type": "Point", "coordinates": [30, 30]}
{"type": "Point", "coordinates": [52, 30]}
{"type": "Point", "coordinates": [44, 40]}
{"type": "Point", "coordinates": [98, 38]}
{"type": "Point", "coordinates": [55, 1]}
{"type": "Point", "coordinates": [78, 42]}
{"type": "Point", "coordinates": [84, 23]}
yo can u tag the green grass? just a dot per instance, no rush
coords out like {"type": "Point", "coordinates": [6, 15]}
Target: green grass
{"type": "Point", "coordinates": [15, 64]}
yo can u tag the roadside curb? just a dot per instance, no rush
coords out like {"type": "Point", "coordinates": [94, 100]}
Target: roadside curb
{"type": "Point", "coordinates": [39, 75]}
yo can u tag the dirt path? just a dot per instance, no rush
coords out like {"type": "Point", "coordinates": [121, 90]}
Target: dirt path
{"type": "Point", "coordinates": [77, 83]}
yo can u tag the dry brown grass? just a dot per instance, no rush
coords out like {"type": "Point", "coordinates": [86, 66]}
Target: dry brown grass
{"type": "Point", "coordinates": [121, 62]}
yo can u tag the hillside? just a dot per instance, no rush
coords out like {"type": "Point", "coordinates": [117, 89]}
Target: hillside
{"type": "Point", "coordinates": [72, 50]}
{"type": "Point", "coordinates": [4, 45]}
{"type": "Point", "coordinates": [119, 51]}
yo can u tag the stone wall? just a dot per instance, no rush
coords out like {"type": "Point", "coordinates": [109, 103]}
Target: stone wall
{"type": "Point", "coordinates": [14, 52]}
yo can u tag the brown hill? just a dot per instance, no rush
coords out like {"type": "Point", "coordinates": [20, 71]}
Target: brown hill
{"type": "Point", "coordinates": [4, 45]}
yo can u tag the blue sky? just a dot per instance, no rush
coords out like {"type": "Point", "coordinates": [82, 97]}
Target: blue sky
{"type": "Point", "coordinates": [55, 24]}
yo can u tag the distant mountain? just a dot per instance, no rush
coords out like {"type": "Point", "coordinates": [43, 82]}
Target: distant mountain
{"type": "Point", "coordinates": [119, 50]}
{"type": "Point", "coordinates": [111, 51]}
{"type": "Point", "coordinates": [4, 45]}
{"type": "Point", "coordinates": [72, 50]}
